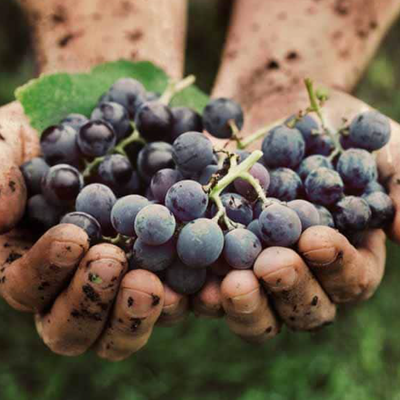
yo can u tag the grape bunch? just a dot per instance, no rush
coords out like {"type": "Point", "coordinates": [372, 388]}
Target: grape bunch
{"type": "Point", "coordinates": [142, 175]}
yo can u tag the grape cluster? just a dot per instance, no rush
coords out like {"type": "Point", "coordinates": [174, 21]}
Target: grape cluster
{"type": "Point", "coordinates": [143, 175]}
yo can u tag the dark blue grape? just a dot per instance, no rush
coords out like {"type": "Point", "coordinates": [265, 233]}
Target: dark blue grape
{"type": "Point", "coordinates": [162, 181]}
{"type": "Point", "coordinates": [154, 121]}
{"type": "Point", "coordinates": [280, 226]}
{"type": "Point", "coordinates": [374, 186]}
{"type": "Point", "coordinates": [357, 168]}
{"type": "Point", "coordinates": [200, 243]}
{"type": "Point", "coordinates": [59, 146]}
{"type": "Point", "coordinates": [193, 151]}
{"type": "Point", "coordinates": [241, 249]}
{"type": "Point", "coordinates": [154, 157]}
{"type": "Point", "coordinates": [114, 171]}
{"type": "Point", "coordinates": [320, 144]}
{"type": "Point", "coordinates": [128, 92]}
{"type": "Point", "coordinates": [185, 280]}
{"type": "Point", "coordinates": [324, 186]}
{"type": "Point", "coordinates": [258, 172]}
{"type": "Point", "coordinates": [370, 130]}
{"type": "Point", "coordinates": [217, 115]}
{"type": "Point", "coordinates": [307, 212]}
{"type": "Point", "coordinates": [382, 209]}
{"type": "Point", "coordinates": [133, 186]}
{"type": "Point", "coordinates": [185, 120]}
{"type": "Point", "coordinates": [260, 206]}
{"type": "Point", "coordinates": [238, 209]}
{"type": "Point", "coordinates": [283, 147]}
{"type": "Point", "coordinates": [116, 115]}
{"type": "Point", "coordinates": [285, 184]}
{"type": "Point", "coordinates": [96, 138]}
{"type": "Point", "coordinates": [207, 173]}
{"type": "Point", "coordinates": [254, 226]}
{"type": "Point", "coordinates": [76, 121]}
{"type": "Point", "coordinates": [41, 214]}
{"type": "Point", "coordinates": [124, 212]}
{"type": "Point", "coordinates": [33, 171]}
{"type": "Point", "coordinates": [313, 162]}
{"type": "Point", "coordinates": [85, 221]}
{"type": "Point", "coordinates": [155, 224]}
{"type": "Point", "coordinates": [325, 216]}
{"type": "Point", "coordinates": [187, 200]}
{"type": "Point", "coordinates": [352, 214]}
{"type": "Point", "coordinates": [346, 142]}
{"type": "Point", "coordinates": [307, 126]}
{"type": "Point", "coordinates": [132, 151]}
{"type": "Point", "coordinates": [62, 184]}
{"type": "Point", "coordinates": [153, 258]}
{"type": "Point", "coordinates": [97, 200]}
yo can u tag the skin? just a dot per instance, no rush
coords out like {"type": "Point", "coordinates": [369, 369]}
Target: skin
{"type": "Point", "coordinates": [115, 312]}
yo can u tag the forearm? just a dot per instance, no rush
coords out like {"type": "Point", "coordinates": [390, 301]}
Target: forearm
{"type": "Point", "coordinates": [273, 45]}
{"type": "Point", "coordinates": [75, 35]}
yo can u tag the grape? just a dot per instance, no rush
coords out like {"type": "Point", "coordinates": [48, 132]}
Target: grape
{"type": "Point", "coordinates": [283, 147]}
{"type": "Point", "coordinates": [346, 142]}
{"type": "Point", "coordinates": [307, 212]}
{"type": "Point", "coordinates": [187, 200]}
{"type": "Point", "coordinates": [207, 173]}
{"type": "Point", "coordinates": [33, 171]}
{"type": "Point", "coordinates": [217, 115]}
{"type": "Point", "coordinates": [258, 172]}
{"type": "Point", "coordinates": [62, 184]}
{"type": "Point", "coordinates": [154, 157]}
{"type": "Point", "coordinates": [285, 184]}
{"type": "Point", "coordinates": [155, 224]}
{"type": "Point", "coordinates": [162, 181]}
{"type": "Point", "coordinates": [85, 221]}
{"type": "Point", "coordinates": [116, 115]}
{"type": "Point", "coordinates": [185, 280]}
{"type": "Point", "coordinates": [325, 216]}
{"type": "Point", "coordinates": [382, 209]}
{"type": "Point", "coordinates": [370, 130]}
{"type": "Point", "coordinates": [132, 151]}
{"type": "Point", "coordinates": [280, 226]}
{"type": "Point", "coordinates": [374, 186]}
{"type": "Point", "coordinates": [41, 214]}
{"type": "Point", "coordinates": [313, 162]}
{"type": "Point", "coordinates": [254, 227]}
{"type": "Point", "coordinates": [133, 186]}
{"type": "Point", "coordinates": [114, 171]}
{"type": "Point", "coordinates": [320, 144]}
{"type": "Point", "coordinates": [200, 243]}
{"type": "Point", "coordinates": [324, 186]}
{"type": "Point", "coordinates": [59, 146]}
{"type": "Point", "coordinates": [97, 200]}
{"type": "Point", "coordinates": [75, 121]}
{"type": "Point", "coordinates": [357, 168]}
{"type": "Point", "coordinates": [128, 92]}
{"type": "Point", "coordinates": [192, 151]}
{"type": "Point", "coordinates": [352, 214]}
{"type": "Point", "coordinates": [185, 120]}
{"type": "Point", "coordinates": [260, 206]}
{"type": "Point", "coordinates": [241, 249]}
{"type": "Point", "coordinates": [307, 126]}
{"type": "Point", "coordinates": [154, 121]}
{"type": "Point", "coordinates": [124, 212]}
{"type": "Point", "coordinates": [96, 138]}
{"type": "Point", "coordinates": [153, 258]}
{"type": "Point", "coordinates": [238, 209]}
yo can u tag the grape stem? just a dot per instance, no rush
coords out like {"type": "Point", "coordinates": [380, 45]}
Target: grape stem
{"type": "Point", "coordinates": [90, 166]}
{"type": "Point", "coordinates": [314, 100]}
{"type": "Point", "coordinates": [174, 87]}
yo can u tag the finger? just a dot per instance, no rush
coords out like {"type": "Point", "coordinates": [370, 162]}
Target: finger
{"type": "Point", "coordinates": [345, 273]}
{"type": "Point", "coordinates": [80, 312]}
{"type": "Point", "coordinates": [31, 282]}
{"type": "Point", "coordinates": [394, 193]}
{"type": "Point", "coordinates": [208, 302]}
{"type": "Point", "coordinates": [297, 296]}
{"type": "Point", "coordinates": [136, 310]}
{"type": "Point", "coordinates": [175, 309]}
{"type": "Point", "coordinates": [248, 313]}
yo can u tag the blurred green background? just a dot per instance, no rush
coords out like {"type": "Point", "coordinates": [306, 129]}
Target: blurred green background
{"type": "Point", "coordinates": [358, 358]}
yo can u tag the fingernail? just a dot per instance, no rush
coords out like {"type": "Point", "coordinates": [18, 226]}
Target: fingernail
{"type": "Point", "coordinates": [138, 303]}
{"type": "Point", "coordinates": [246, 303]}
{"type": "Point", "coordinates": [281, 279]}
{"type": "Point", "coordinates": [65, 254]}
{"type": "Point", "coordinates": [105, 272]}
{"type": "Point", "coordinates": [321, 257]}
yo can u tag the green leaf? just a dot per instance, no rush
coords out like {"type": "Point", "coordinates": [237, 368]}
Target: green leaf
{"type": "Point", "coordinates": [49, 98]}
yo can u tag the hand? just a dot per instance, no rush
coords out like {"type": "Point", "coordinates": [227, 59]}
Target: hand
{"type": "Point", "coordinates": [303, 286]}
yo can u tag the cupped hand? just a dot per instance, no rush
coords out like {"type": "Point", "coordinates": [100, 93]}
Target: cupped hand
{"type": "Point", "coordinates": [301, 287]}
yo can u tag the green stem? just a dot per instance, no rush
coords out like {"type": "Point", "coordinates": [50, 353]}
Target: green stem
{"type": "Point", "coordinates": [314, 100]}
{"type": "Point", "coordinates": [174, 87]}
{"type": "Point", "coordinates": [133, 137]}
{"type": "Point", "coordinates": [256, 185]}
{"type": "Point", "coordinates": [89, 167]}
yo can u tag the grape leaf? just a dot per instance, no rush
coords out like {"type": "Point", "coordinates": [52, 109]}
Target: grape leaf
{"type": "Point", "coordinates": [49, 98]}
